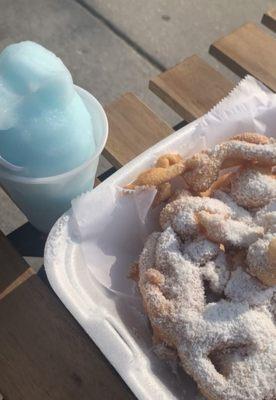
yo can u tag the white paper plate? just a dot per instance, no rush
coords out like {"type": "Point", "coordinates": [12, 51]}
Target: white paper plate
{"type": "Point", "coordinates": [114, 321]}
{"type": "Point", "coordinates": [80, 251]}
{"type": "Point", "coordinates": [100, 314]}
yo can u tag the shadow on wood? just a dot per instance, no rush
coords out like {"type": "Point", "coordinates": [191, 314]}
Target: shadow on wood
{"type": "Point", "coordinates": [36, 333]}
{"type": "Point", "coordinates": [28, 241]}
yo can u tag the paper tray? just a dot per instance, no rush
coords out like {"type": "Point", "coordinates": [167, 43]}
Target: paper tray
{"type": "Point", "coordinates": [99, 312]}
{"type": "Point", "coordinates": [78, 263]}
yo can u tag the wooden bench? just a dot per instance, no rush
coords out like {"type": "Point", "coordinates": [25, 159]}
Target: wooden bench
{"type": "Point", "coordinates": [191, 88]}
{"type": "Point", "coordinates": [44, 353]}
{"type": "Point", "coordinates": [269, 19]}
{"type": "Point", "coordinates": [248, 49]}
{"type": "Point", "coordinates": [133, 129]}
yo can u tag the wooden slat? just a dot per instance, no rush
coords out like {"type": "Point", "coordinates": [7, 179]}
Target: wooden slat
{"type": "Point", "coordinates": [13, 270]}
{"type": "Point", "coordinates": [249, 50]}
{"type": "Point", "coordinates": [191, 88]}
{"type": "Point", "coordinates": [269, 19]}
{"type": "Point", "coordinates": [133, 128]}
{"type": "Point", "coordinates": [97, 182]}
{"type": "Point", "coordinates": [44, 354]}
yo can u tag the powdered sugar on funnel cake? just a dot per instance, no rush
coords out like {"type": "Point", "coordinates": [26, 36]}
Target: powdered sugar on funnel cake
{"type": "Point", "coordinates": [208, 278]}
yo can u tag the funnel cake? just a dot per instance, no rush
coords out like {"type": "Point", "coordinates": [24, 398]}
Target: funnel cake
{"type": "Point", "coordinates": [253, 187]}
{"type": "Point", "coordinates": [166, 168]}
{"type": "Point", "coordinates": [208, 279]}
{"type": "Point", "coordinates": [203, 169]}
{"type": "Point", "coordinates": [173, 294]}
{"type": "Point", "coordinates": [228, 231]}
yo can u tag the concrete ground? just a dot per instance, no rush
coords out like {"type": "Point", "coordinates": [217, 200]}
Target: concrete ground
{"type": "Point", "coordinates": [113, 46]}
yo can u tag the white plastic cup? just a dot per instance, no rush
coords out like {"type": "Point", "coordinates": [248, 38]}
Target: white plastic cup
{"type": "Point", "coordinates": [44, 200]}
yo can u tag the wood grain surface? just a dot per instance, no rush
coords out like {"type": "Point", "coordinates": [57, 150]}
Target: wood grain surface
{"type": "Point", "coordinates": [249, 49]}
{"type": "Point", "coordinates": [44, 353]}
{"type": "Point", "coordinates": [133, 129]}
{"type": "Point", "coordinates": [269, 19]}
{"type": "Point", "coordinates": [191, 88]}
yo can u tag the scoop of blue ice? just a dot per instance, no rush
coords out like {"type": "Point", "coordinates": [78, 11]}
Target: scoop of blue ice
{"type": "Point", "coordinates": [45, 127]}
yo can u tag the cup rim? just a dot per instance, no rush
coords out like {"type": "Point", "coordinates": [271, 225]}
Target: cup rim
{"type": "Point", "coordinates": [46, 179]}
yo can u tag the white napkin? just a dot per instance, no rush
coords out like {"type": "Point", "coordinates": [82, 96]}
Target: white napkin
{"type": "Point", "coordinates": [113, 225]}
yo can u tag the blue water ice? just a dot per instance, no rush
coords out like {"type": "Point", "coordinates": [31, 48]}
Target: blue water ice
{"type": "Point", "coordinates": [45, 127]}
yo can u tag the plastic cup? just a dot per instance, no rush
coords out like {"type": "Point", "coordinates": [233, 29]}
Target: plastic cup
{"type": "Point", "coordinates": [44, 200]}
